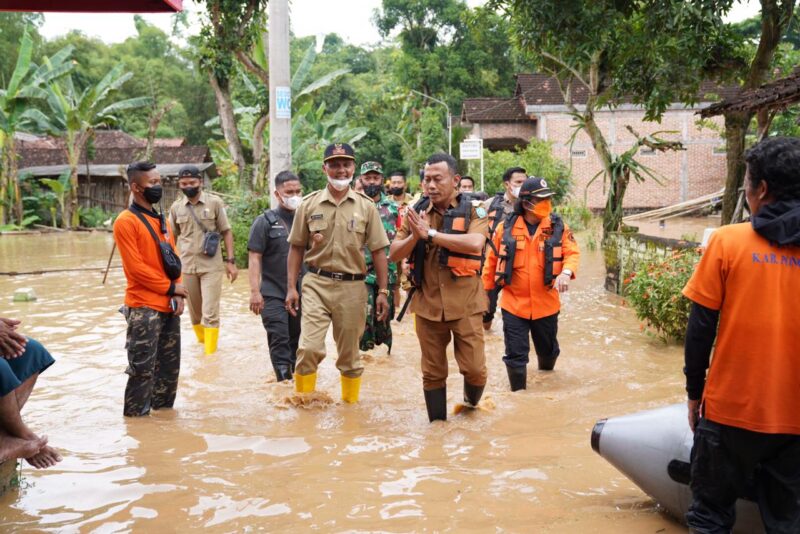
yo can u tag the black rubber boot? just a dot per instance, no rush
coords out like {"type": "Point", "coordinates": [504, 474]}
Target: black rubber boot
{"type": "Point", "coordinates": [436, 403]}
{"type": "Point", "coordinates": [517, 377]}
{"type": "Point", "coordinates": [547, 364]}
{"type": "Point", "coordinates": [283, 372]}
{"type": "Point", "coordinates": [472, 394]}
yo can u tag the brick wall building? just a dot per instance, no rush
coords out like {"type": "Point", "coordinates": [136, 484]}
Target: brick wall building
{"type": "Point", "coordinates": [537, 110]}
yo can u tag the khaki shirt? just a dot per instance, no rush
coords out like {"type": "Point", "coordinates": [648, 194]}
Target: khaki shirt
{"type": "Point", "coordinates": [334, 235]}
{"type": "Point", "coordinates": [211, 211]}
{"type": "Point", "coordinates": [444, 297]}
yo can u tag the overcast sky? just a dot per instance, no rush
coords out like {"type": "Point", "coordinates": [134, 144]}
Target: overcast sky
{"type": "Point", "coordinates": [351, 19]}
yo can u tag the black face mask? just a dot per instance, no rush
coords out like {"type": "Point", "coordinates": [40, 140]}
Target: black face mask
{"type": "Point", "coordinates": [191, 192]}
{"type": "Point", "coordinates": [153, 194]}
{"type": "Point", "coordinates": [396, 191]}
{"type": "Point", "coordinates": [373, 191]}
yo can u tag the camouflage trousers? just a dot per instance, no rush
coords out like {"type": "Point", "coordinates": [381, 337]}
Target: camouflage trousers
{"type": "Point", "coordinates": [377, 332]}
{"type": "Point", "coordinates": [154, 360]}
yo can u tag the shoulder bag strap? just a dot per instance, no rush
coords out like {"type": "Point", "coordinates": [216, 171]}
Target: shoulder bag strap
{"type": "Point", "coordinates": [191, 210]}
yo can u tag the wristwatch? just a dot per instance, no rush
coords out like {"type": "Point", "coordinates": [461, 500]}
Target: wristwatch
{"type": "Point", "coordinates": [384, 292]}
{"type": "Point", "coordinates": [431, 234]}
{"type": "Point", "coordinates": [232, 261]}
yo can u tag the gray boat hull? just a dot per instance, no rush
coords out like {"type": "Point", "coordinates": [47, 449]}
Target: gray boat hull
{"type": "Point", "coordinates": [652, 448]}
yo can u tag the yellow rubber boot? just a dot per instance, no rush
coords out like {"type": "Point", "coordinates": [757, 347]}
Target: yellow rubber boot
{"type": "Point", "coordinates": [210, 337]}
{"type": "Point", "coordinates": [199, 331]}
{"type": "Point", "coordinates": [350, 389]}
{"type": "Point", "coordinates": [305, 383]}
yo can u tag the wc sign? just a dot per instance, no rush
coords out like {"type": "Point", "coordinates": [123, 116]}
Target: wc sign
{"type": "Point", "coordinates": [283, 102]}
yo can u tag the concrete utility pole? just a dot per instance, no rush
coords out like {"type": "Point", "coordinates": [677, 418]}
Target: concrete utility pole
{"type": "Point", "coordinates": [280, 93]}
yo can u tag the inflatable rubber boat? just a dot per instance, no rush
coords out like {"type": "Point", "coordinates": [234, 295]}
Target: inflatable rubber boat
{"type": "Point", "coordinates": [652, 448]}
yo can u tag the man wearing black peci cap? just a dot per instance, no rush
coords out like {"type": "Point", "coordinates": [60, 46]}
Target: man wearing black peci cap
{"type": "Point", "coordinates": [331, 228]}
{"type": "Point", "coordinates": [194, 216]}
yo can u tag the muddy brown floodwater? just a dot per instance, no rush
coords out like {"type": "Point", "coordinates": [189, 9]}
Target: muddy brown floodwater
{"type": "Point", "coordinates": [236, 455]}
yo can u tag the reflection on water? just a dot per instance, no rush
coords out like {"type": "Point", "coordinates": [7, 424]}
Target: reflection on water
{"type": "Point", "coordinates": [237, 454]}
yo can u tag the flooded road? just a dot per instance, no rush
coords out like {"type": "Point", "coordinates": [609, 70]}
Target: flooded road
{"type": "Point", "coordinates": [235, 455]}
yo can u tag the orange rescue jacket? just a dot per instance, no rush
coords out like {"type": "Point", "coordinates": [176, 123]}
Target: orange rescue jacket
{"type": "Point", "coordinates": [527, 296]}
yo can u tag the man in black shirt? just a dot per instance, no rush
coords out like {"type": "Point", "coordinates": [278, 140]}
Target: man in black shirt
{"type": "Point", "coordinates": [268, 249]}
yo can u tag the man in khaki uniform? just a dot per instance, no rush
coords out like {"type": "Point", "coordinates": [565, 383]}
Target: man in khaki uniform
{"type": "Point", "coordinates": [447, 236]}
{"type": "Point", "coordinates": [331, 228]}
{"type": "Point", "coordinates": [192, 217]}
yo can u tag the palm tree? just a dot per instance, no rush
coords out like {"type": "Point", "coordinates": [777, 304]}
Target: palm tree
{"type": "Point", "coordinates": [74, 116]}
{"type": "Point", "coordinates": [26, 85]}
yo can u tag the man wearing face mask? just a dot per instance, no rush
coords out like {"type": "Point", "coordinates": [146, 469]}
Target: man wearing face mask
{"type": "Point", "coordinates": [378, 332]}
{"type": "Point", "coordinates": [536, 258]}
{"type": "Point", "coordinates": [268, 250]}
{"type": "Point", "coordinates": [192, 217]}
{"type": "Point", "coordinates": [332, 227]}
{"type": "Point", "coordinates": [398, 191]}
{"type": "Point", "coordinates": [153, 297]}
{"type": "Point", "coordinates": [499, 207]}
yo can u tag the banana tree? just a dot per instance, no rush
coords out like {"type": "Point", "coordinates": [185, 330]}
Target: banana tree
{"type": "Point", "coordinates": [25, 86]}
{"type": "Point", "coordinates": [59, 189]}
{"type": "Point", "coordinates": [75, 115]}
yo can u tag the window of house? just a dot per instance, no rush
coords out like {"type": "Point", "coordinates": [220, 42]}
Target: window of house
{"type": "Point", "coordinates": [645, 151]}
{"type": "Point", "coordinates": [577, 153]}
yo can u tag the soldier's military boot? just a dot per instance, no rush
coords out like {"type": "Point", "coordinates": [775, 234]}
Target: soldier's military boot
{"type": "Point", "coordinates": [350, 389]}
{"type": "Point", "coordinates": [283, 372]}
{"type": "Point", "coordinates": [517, 377]}
{"type": "Point", "coordinates": [210, 337]}
{"type": "Point", "coordinates": [436, 403]}
{"type": "Point", "coordinates": [199, 331]}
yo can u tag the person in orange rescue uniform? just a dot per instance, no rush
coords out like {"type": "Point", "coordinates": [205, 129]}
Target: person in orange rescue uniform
{"type": "Point", "coordinates": [536, 258]}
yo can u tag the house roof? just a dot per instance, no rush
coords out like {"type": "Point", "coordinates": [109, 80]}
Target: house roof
{"type": "Point", "coordinates": [493, 110]}
{"type": "Point", "coordinates": [775, 95]}
{"type": "Point", "coordinates": [116, 171]}
{"type": "Point", "coordinates": [543, 90]}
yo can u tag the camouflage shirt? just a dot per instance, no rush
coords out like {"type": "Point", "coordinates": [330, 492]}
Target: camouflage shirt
{"type": "Point", "coordinates": [389, 215]}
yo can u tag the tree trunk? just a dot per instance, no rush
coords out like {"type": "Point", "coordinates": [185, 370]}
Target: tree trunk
{"type": "Point", "coordinates": [736, 124]}
{"type": "Point", "coordinates": [155, 120]}
{"type": "Point", "coordinates": [74, 147]}
{"type": "Point", "coordinates": [259, 163]}
{"type": "Point", "coordinates": [612, 217]}
{"type": "Point", "coordinates": [3, 185]}
{"type": "Point", "coordinates": [227, 122]}
{"type": "Point", "coordinates": [13, 178]}
{"type": "Point", "coordinates": [775, 18]}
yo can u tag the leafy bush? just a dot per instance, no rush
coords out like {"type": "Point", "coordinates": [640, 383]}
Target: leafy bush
{"type": "Point", "coordinates": [242, 211]}
{"type": "Point", "coordinates": [654, 292]}
{"type": "Point", "coordinates": [577, 216]}
{"type": "Point", "coordinates": [537, 159]}
{"type": "Point", "coordinates": [95, 217]}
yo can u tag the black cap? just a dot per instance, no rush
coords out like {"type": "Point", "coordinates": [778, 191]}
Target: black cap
{"type": "Point", "coordinates": [189, 171]}
{"type": "Point", "coordinates": [534, 186]}
{"type": "Point", "coordinates": [339, 150]}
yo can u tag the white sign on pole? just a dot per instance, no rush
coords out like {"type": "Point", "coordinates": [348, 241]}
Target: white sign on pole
{"type": "Point", "coordinates": [283, 102]}
{"type": "Point", "coordinates": [471, 149]}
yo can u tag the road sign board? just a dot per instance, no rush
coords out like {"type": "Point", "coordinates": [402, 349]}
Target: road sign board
{"type": "Point", "coordinates": [471, 148]}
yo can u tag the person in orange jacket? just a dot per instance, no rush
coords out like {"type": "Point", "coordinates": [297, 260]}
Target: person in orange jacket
{"type": "Point", "coordinates": [536, 258]}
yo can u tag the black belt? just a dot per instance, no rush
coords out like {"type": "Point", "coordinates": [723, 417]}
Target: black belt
{"type": "Point", "coordinates": [343, 277]}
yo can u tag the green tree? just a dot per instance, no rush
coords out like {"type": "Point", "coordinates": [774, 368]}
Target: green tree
{"type": "Point", "coordinates": [24, 87]}
{"type": "Point", "coordinates": [656, 52]}
{"type": "Point", "coordinates": [12, 27]}
{"type": "Point", "coordinates": [74, 115]}
{"type": "Point", "coordinates": [776, 16]}
{"type": "Point", "coordinates": [537, 159]}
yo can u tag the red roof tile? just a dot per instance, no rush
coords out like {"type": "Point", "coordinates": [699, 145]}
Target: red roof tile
{"type": "Point", "coordinates": [493, 110]}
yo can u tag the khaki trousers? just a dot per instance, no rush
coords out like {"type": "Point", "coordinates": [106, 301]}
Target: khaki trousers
{"type": "Point", "coordinates": [467, 335]}
{"type": "Point", "coordinates": [344, 304]}
{"type": "Point", "coordinates": [204, 294]}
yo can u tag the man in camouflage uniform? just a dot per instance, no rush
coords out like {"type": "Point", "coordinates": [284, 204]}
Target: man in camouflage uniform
{"type": "Point", "coordinates": [378, 332]}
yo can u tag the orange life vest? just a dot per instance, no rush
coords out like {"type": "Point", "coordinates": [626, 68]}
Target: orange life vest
{"type": "Point", "coordinates": [456, 221]}
{"type": "Point", "coordinates": [553, 255]}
